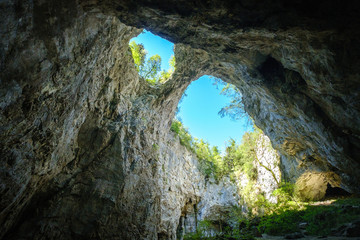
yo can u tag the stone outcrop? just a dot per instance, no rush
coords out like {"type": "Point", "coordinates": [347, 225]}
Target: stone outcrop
{"type": "Point", "coordinates": [83, 140]}
{"type": "Point", "coordinates": [216, 202]}
{"type": "Point", "coordinates": [314, 185]}
{"type": "Point", "coordinates": [268, 170]}
{"type": "Point", "coordinates": [265, 181]}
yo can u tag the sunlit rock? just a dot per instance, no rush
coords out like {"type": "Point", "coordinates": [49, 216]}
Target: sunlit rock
{"type": "Point", "coordinates": [312, 186]}
{"type": "Point", "coordinates": [267, 165]}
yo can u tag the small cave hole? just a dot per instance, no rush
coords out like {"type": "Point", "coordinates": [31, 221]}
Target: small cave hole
{"type": "Point", "coordinates": [332, 192]}
{"type": "Point", "coordinates": [153, 57]}
{"type": "Point", "coordinates": [272, 71]}
{"type": "Point", "coordinates": [275, 75]}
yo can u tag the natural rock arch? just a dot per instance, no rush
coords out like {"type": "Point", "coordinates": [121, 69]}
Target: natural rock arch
{"type": "Point", "coordinates": [79, 127]}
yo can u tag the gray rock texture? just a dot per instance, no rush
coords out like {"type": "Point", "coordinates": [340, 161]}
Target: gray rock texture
{"type": "Point", "coordinates": [268, 170]}
{"type": "Point", "coordinates": [217, 200]}
{"type": "Point", "coordinates": [85, 146]}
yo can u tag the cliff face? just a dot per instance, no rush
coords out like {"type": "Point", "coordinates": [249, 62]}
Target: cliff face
{"type": "Point", "coordinates": [267, 165]}
{"type": "Point", "coordinates": [85, 144]}
{"type": "Point", "coordinates": [217, 201]}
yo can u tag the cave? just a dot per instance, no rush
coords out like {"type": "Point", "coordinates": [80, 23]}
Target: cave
{"type": "Point", "coordinates": [86, 147]}
{"type": "Point", "coordinates": [332, 192]}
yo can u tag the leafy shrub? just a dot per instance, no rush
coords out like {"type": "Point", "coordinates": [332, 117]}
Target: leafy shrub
{"type": "Point", "coordinates": [185, 138]}
{"type": "Point", "coordinates": [209, 158]}
{"type": "Point", "coordinates": [228, 233]}
{"type": "Point", "coordinates": [280, 222]}
{"type": "Point", "coordinates": [150, 69]}
{"type": "Point", "coordinates": [320, 219]}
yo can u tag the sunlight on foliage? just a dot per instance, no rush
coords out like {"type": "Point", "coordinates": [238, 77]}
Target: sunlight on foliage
{"type": "Point", "coordinates": [235, 109]}
{"type": "Point", "coordinates": [257, 214]}
{"type": "Point", "coordinates": [238, 157]}
{"type": "Point", "coordinates": [261, 216]}
{"type": "Point", "coordinates": [139, 54]}
{"type": "Point", "coordinates": [320, 219]}
{"type": "Point", "coordinates": [150, 69]}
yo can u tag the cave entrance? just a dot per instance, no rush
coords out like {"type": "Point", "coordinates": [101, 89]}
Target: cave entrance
{"type": "Point", "coordinates": [212, 111]}
{"type": "Point", "coordinates": [153, 56]}
{"type": "Point", "coordinates": [335, 192]}
{"type": "Point", "coordinates": [202, 107]}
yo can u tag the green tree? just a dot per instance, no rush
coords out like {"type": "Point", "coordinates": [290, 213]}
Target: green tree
{"type": "Point", "coordinates": [139, 54]}
{"type": "Point", "coordinates": [165, 75]}
{"type": "Point", "coordinates": [235, 109]}
{"type": "Point", "coordinates": [217, 159]}
{"type": "Point", "coordinates": [230, 157]}
{"type": "Point", "coordinates": [247, 151]}
{"type": "Point", "coordinates": [185, 138]}
{"type": "Point", "coordinates": [204, 154]}
{"type": "Point", "coordinates": [150, 69]}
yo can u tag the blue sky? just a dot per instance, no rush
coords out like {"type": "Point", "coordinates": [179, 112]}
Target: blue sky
{"type": "Point", "coordinates": [199, 109]}
{"type": "Point", "coordinates": [199, 112]}
{"type": "Point", "coordinates": [156, 45]}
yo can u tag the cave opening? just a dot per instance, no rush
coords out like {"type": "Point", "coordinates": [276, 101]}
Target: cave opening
{"type": "Point", "coordinates": [335, 192]}
{"type": "Point", "coordinates": [210, 108]}
{"type": "Point", "coordinates": [153, 56]}
{"type": "Point", "coordinates": [212, 111]}
{"type": "Point", "coordinates": [86, 143]}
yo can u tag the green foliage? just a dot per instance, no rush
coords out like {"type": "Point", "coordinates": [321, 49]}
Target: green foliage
{"type": "Point", "coordinates": [320, 218]}
{"type": "Point", "coordinates": [280, 223]}
{"type": "Point", "coordinates": [285, 192]}
{"type": "Point", "coordinates": [228, 233]}
{"type": "Point", "coordinates": [242, 157]}
{"type": "Point", "coordinates": [139, 54]}
{"type": "Point", "coordinates": [185, 138]}
{"type": "Point", "coordinates": [165, 75]}
{"type": "Point", "coordinates": [237, 157]}
{"type": "Point", "coordinates": [235, 109]}
{"type": "Point", "coordinates": [150, 69]}
{"type": "Point", "coordinates": [284, 215]}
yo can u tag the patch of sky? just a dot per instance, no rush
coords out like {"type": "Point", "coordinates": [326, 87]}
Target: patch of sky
{"type": "Point", "coordinates": [156, 45]}
{"type": "Point", "coordinates": [199, 110]}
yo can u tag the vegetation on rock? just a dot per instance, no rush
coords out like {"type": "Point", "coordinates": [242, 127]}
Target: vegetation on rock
{"type": "Point", "coordinates": [286, 215]}
{"type": "Point", "coordinates": [150, 68]}
{"type": "Point", "coordinates": [238, 157]}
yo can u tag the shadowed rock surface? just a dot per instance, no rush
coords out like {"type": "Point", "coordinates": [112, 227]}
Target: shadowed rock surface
{"type": "Point", "coordinates": [86, 151]}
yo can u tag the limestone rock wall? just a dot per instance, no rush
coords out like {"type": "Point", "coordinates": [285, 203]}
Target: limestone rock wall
{"type": "Point", "coordinates": [60, 69]}
{"type": "Point", "coordinates": [217, 200]}
{"type": "Point", "coordinates": [83, 140]}
{"type": "Point", "coordinates": [268, 177]}
{"type": "Point", "coordinates": [268, 168]}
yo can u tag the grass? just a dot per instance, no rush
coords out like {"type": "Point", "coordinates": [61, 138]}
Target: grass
{"type": "Point", "coordinates": [320, 219]}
